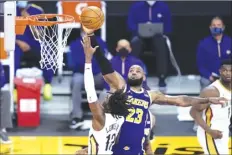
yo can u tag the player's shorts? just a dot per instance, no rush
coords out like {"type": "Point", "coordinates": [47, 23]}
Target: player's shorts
{"type": "Point", "coordinates": [213, 146]}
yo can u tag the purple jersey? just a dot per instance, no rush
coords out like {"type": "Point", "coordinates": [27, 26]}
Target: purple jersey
{"type": "Point", "coordinates": [132, 132]}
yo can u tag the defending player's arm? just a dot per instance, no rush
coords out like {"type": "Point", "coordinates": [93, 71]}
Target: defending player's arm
{"type": "Point", "coordinates": [183, 101]}
{"type": "Point", "coordinates": [114, 79]}
{"type": "Point", "coordinates": [94, 105]}
{"type": "Point", "coordinates": [197, 109]}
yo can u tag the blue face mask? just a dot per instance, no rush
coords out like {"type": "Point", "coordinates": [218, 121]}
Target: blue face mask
{"type": "Point", "coordinates": [216, 31]}
{"type": "Point", "coordinates": [22, 4]}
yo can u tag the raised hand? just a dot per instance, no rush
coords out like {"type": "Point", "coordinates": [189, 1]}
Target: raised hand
{"type": "Point", "coordinates": [88, 49]}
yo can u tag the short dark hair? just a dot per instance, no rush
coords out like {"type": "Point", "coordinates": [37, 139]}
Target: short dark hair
{"type": "Point", "coordinates": [117, 103]}
{"type": "Point", "coordinates": [226, 62]}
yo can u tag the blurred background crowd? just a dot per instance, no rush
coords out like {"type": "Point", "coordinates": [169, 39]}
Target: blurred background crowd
{"type": "Point", "coordinates": [165, 38]}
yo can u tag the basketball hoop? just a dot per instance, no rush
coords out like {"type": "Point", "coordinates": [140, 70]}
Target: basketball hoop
{"type": "Point", "coordinates": [44, 28]}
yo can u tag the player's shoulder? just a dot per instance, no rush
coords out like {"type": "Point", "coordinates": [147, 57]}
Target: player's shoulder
{"type": "Point", "coordinates": [154, 94]}
{"type": "Point", "coordinates": [210, 91]}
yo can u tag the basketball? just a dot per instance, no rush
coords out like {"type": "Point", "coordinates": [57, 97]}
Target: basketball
{"type": "Point", "coordinates": [92, 17]}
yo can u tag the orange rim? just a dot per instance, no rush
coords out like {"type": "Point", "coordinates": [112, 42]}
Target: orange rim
{"type": "Point", "coordinates": [22, 22]}
{"type": "Point", "coordinates": [34, 20]}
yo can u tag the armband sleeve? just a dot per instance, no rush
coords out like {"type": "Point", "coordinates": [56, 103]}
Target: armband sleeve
{"type": "Point", "coordinates": [89, 84]}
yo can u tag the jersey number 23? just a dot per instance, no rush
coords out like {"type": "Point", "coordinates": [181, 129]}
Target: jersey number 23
{"type": "Point", "coordinates": [135, 116]}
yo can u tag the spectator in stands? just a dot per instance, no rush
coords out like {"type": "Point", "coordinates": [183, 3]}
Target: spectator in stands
{"type": "Point", "coordinates": [77, 84]}
{"type": "Point", "coordinates": [22, 5]}
{"type": "Point", "coordinates": [211, 50]}
{"type": "Point", "coordinates": [5, 115]}
{"type": "Point", "coordinates": [28, 48]}
{"type": "Point", "coordinates": [122, 62]}
{"type": "Point", "coordinates": [151, 12]}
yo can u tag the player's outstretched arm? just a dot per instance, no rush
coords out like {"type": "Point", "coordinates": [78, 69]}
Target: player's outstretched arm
{"type": "Point", "coordinates": [197, 109]}
{"type": "Point", "coordinates": [114, 79]}
{"type": "Point", "coordinates": [183, 101]}
{"type": "Point", "coordinates": [94, 105]}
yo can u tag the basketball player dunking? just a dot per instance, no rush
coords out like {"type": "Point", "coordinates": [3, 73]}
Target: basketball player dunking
{"type": "Point", "coordinates": [107, 117]}
{"type": "Point", "coordinates": [213, 130]}
{"type": "Point", "coordinates": [132, 131]}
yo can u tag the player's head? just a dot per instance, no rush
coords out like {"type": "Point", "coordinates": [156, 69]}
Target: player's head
{"type": "Point", "coordinates": [117, 104]}
{"type": "Point", "coordinates": [136, 76]}
{"type": "Point", "coordinates": [225, 70]}
{"type": "Point", "coordinates": [217, 26]}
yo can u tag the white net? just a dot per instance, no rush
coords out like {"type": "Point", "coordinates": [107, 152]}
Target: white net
{"type": "Point", "coordinates": [52, 46]}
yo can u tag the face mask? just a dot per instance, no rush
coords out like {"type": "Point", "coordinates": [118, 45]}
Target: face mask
{"type": "Point", "coordinates": [123, 52]}
{"type": "Point", "coordinates": [151, 2]}
{"type": "Point", "coordinates": [22, 4]}
{"type": "Point", "coordinates": [216, 31]}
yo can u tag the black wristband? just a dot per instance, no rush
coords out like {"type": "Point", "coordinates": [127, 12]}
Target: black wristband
{"type": "Point", "coordinates": [105, 65]}
{"type": "Point", "coordinates": [94, 42]}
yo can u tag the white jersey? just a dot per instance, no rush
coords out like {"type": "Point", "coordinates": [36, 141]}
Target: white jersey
{"type": "Point", "coordinates": [218, 118]}
{"type": "Point", "coordinates": [101, 142]}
